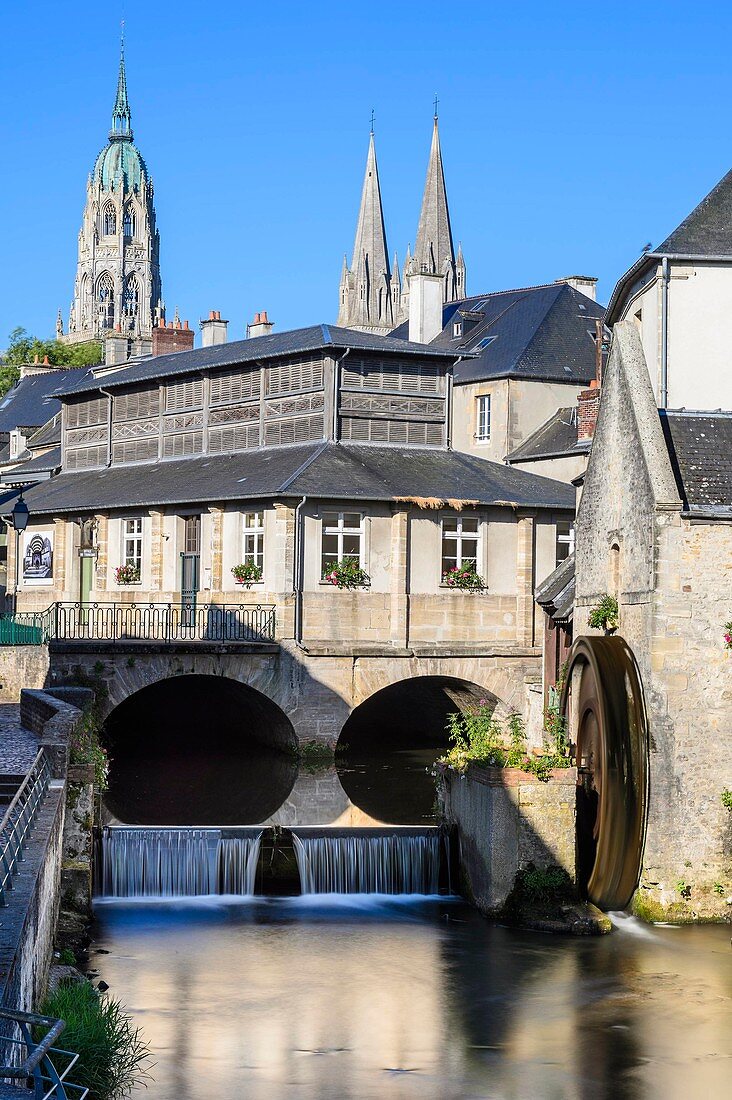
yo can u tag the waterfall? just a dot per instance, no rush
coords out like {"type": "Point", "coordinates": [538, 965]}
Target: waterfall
{"type": "Point", "coordinates": [173, 863]}
{"type": "Point", "coordinates": [367, 863]}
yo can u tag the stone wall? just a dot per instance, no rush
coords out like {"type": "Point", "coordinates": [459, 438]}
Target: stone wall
{"type": "Point", "coordinates": [29, 923]}
{"type": "Point", "coordinates": [22, 666]}
{"type": "Point", "coordinates": [506, 819]}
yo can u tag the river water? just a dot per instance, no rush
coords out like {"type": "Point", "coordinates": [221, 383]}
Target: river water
{"type": "Point", "coordinates": [327, 998]}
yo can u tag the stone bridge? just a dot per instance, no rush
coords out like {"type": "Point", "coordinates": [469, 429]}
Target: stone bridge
{"type": "Point", "coordinates": [316, 689]}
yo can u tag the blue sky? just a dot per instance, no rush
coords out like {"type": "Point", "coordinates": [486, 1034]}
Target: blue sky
{"type": "Point", "coordinates": [572, 134]}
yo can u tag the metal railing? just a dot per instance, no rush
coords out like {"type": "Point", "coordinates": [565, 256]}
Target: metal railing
{"type": "Point", "coordinates": [19, 819]}
{"type": "Point", "coordinates": [40, 1058]}
{"type": "Point", "coordinates": [144, 622]}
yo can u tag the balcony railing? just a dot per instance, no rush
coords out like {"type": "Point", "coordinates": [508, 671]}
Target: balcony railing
{"type": "Point", "coordinates": [143, 622]}
{"type": "Point", "coordinates": [36, 1059]}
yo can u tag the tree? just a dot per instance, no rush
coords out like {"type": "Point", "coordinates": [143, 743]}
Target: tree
{"type": "Point", "coordinates": [23, 348]}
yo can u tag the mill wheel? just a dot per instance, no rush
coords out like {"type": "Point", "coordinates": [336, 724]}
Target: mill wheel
{"type": "Point", "coordinates": [608, 712]}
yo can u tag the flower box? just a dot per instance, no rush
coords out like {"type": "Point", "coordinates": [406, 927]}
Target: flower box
{"type": "Point", "coordinates": [247, 573]}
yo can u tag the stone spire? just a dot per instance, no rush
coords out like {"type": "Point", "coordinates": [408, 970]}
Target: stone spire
{"type": "Point", "coordinates": [121, 114]}
{"type": "Point", "coordinates": [434, 251]}
{"type": "Point", "coordinates": [366, 288]}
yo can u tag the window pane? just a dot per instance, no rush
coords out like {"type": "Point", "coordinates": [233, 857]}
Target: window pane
{"type": "Point", "coordinates": [448, 563]}
{"type": "Point", "coordinates": [352, 520]}
{"type": "Point", "coordinates": [330, 545]}
{"type": "Point", "coordinates": [470, 525]}
{"type": "Point", "coordinates": [450, 524]}
{"type": "Point", "coordinates": [351, 546]}
{"type": "Point", "coordinates": [330, 519]}
{"type": "Point", "coordinates": [254, 519]}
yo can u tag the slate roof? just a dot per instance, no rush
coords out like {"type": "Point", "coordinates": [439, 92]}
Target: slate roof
{"type": "Point", "coordinates": [700, 448]}
{"type": "Point", "coordinates": [556, 438]}
{"type": "Point", "coordinates": [545, 333]}
{"type": "Point", "coordinates": [47, 435]}
{"type": "Point", "coordinates": [327, 470]}
{"type": "Point", "coordinates": [556, 594]}
{"type": "Point", "coordinates": [44, 463]}
{"type": "Point", "coordinates": [275, 345]}
{"type": "Point", "coordinates": [706, 232]}
{"type": "Point", "coordinates": [34, 400]}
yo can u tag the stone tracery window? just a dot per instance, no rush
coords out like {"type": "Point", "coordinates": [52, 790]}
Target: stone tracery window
{"type": "Point", "coordinates": [105, 299]}
{"type": "Point", "coordinates": [109, 219]}
{"type": "Point", "coordinates": [131, 297]}
{"type": "Point", "coordinates": [129, 221]}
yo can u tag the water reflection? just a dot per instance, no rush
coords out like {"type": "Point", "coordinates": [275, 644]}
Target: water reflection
{"type": "Point", "coordinates": [305, 998]}
{"type": "Point", "coordinates": [253, 785]}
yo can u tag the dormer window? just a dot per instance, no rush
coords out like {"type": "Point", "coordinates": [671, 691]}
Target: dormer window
{"type": "Point", "coordinates": [457, 329]}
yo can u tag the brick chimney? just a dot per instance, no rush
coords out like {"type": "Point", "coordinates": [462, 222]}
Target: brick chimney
{"type": "Point", "coordinates": [260, 326]}
{"type": "Point", "coordinates": [588, 401]}
{"type": "Point", "coordinates": [213, 330]}
{"type": "Point", "coordinates": [171, 337]}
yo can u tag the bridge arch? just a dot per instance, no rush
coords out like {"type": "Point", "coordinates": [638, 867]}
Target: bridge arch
{"type": "Point", "coordinates": [198, 750]}
{"type": "Point", "coordinates": [389, 741]}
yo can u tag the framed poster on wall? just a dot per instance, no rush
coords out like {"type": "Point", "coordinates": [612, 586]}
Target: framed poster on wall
{"type": "Point", "coordinates": [37, 557]}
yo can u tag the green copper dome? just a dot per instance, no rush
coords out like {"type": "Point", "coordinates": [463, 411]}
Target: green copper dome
{"type": "Point", "coordinates": [120, 165]}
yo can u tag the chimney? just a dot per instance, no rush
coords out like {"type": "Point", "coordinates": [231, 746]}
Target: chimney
{"type": "Point", "coordinates": [176, 336]}
{"type": "Point", "coordinates": [588, 401]}
{"type": "Point", "coordinates": [260, 326]}
{"type": "Point", "coordinates": [425, 306]}
{"type": "Point", "coordinates": [116, 349]}
{"type": "Point", "coordinates": [213, 330]}
{"type": "Point", "coordinates": [585, 284]}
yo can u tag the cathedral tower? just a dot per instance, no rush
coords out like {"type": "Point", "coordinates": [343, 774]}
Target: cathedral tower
{"type": "Point", "coordinates": [369, 294]}
{"type": "Point", "coordinates": [434, 252]}
{"type": "Point", "coordinates": [117, 286]}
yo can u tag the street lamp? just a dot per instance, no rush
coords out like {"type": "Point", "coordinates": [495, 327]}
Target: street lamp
{"type": "Point", "coordinates": [19, 516]}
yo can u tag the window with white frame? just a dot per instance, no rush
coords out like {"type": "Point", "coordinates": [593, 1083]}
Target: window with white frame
{"type": "Point", "coordinates": [483, 417]}
{"type": "Point", "coordinates": [132, 543]}
{"type": "Point", "coordinates": [565, 539]}
{"type": "Point", "coordinates": [460, 542]}
{"type": "Point", "coordinates": [342, 538]}
{"type": "Point", "coordinates": [253, 549]}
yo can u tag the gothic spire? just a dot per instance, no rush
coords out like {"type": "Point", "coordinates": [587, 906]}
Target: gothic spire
{"type": "Point", "coordinates": [365, 296]}
{"type": "Point", "coordinates": [121, 115]}
{"type": "Point", "coordinates": [434, 249]}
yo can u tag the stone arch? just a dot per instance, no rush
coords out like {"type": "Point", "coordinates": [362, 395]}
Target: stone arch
{"type": "Point", "coordinates": [109, 219]}
{"type": "Point", "coordinates": [105, 300]}
{"type": "Point", "coordinates": [198, 750]}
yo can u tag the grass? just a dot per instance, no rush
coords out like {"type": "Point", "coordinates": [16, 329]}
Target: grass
{"type": "Point", "coordinates": [113, 1056]}
{"type": "Point", "coordinates": [479, 738]}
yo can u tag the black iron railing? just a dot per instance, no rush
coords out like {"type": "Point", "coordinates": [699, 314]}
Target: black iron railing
{"type": "Point", "coordinates": [143, 622]}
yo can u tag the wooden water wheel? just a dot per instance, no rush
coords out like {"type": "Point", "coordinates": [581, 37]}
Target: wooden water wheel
{"type": "Point", "coordinates": [604, 706]}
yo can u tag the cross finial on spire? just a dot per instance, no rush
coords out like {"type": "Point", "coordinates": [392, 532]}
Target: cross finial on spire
{"type": "Point", "coordinates": [436, 106]}
{"type": "Point", "coordinates": [372, 120]}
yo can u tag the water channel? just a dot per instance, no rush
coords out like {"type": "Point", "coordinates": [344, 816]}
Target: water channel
{"type": "Point", "coordinates": [330, 996]}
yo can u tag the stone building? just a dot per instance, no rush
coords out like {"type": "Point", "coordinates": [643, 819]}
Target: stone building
{"type": "Point", "coordinates": [654, 529]}
{"type": "Point", "coordinates": [117, 286]}
{"type": "Point", "coordinates": [289, 453]}
{"type": "Point", "coordinates": [677, 295]}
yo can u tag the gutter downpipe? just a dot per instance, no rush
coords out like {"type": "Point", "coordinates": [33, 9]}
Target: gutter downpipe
{"type": "Point", "coordinates": [664, 332]}
{"type": "Point", "coordinates": [336, 391]}
{"type": "Point", "coordinates": [106, 393]}
{"type": "Point", "coordinates": [299, 571]}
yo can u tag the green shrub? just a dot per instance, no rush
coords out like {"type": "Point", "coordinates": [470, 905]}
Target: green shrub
{"type": "Point", "coordinates": [605, 616]}
{"type": "Point", "coordinates": [480, 738]}
{"type": "Point", "coordinates": [539, 886]}
{"type": "Point", "coordinates": [727, 800]}
{"type": "Point", "coordinates": [86, 748]}
{"type": "Point", "coordinates": [113, 1057]}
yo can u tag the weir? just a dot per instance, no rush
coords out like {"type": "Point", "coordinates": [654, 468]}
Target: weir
{"type": "Point", "coordinates": [406, 861]}
{"type": "Point", "coordinates": [180, 862]}
{"type": "Point", "coordinates": [145, 861]}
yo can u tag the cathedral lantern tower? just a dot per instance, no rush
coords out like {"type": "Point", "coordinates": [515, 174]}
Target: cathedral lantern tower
{"type": "Point", "coordinates": [117, 288]}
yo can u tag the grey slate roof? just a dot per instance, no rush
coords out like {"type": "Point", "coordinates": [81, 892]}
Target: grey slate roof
{"type": "Point", "coordinates": [272, 346]}
{"type": "Point", "coordinates": [47, 435]}
{"type": "Point", "coordinates": [544, 333]}
{"type": "Point", "coordinates": [556, 594]}
{"type": "Point", "coordinates": [44, 463]}
{"type": "Point", "coordinates": [556, 438]}
{"type": "Point", "coordinates": [700, 448]}
{"type": "Point", "coordinates": [326, 470]}
{"type": "Point", "coordinates": [706, 232]}
{"type": "Point", "coordinates": [34, 400]}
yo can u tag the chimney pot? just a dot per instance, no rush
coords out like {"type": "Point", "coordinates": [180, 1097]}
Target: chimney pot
{"type": "Point", "coordinates": [211, 315]}
{"type": "Point", "coordinates": [185, 324]}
